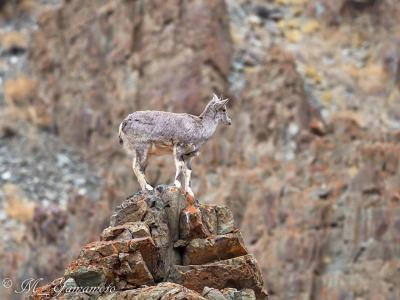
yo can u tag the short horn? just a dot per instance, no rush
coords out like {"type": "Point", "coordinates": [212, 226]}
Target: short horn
{"type": "Point", "coordinates": [225, 101]}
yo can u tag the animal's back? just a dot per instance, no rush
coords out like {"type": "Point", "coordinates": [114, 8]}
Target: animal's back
{"type": "Point", "coordinates": [158, 126]}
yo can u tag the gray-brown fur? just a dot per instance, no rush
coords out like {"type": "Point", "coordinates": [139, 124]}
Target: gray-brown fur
{"type": "Point", "coordinates": [147, 133]}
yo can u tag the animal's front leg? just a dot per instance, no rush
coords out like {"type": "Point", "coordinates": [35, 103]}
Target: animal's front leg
{"type": "Point", "coordinates": [187, 174]}
{"type": "Point", "coordinates": [179, 165]}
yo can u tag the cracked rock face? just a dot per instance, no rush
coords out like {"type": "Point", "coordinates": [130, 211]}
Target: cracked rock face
{"type": "Point", "coordinates": [200, 251]}
{"type": "Point", "coordinates": [241, 272]}
{"type": "Point", "coordinates": [192, 252]}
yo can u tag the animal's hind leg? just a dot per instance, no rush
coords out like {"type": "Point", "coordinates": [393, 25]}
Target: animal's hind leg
{"type": "Point", "coordinates": [179, 165]}
{"type": "Point", "coordinates": [187, 173]}
{"type": "Point", "coordinates": [139, 165]}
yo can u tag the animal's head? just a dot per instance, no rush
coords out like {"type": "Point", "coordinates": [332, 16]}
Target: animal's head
{"type": "Point", "coordinates": [218, 106]}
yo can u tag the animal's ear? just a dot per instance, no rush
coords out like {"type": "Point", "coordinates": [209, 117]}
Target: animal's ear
{"type": "Point", "coordinates": [215, 97]}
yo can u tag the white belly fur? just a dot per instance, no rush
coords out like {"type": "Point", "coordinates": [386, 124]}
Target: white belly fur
{"type": "Point", "coordinates": [160, 149]}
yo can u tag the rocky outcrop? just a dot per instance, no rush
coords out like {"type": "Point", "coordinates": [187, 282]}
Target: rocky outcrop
{"type": "Point", "coordinates": [159, 244]}
{"type": "Point", "coordinates": [240, 272]}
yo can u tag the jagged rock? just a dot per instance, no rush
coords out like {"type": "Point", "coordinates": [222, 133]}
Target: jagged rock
{"type": "Point", "coordinates": [234, 294]}
{"type": "Point", "coordinates": [210, 218]}
{"type": "Point", "coordinates": [161, 232]}
{"type": "Point", "coordinates": [126, 231]}
{"type": "Point", "coordinates": [228, 294]}
{"type": "Point", "coordinates": [86, 276]}
{"type": "Point", "coordinates": [131, 210]}
{"type": "Point", "coordinates": [205, 220]}
{"type": "Point", "coordinates": [127, 263]}
{"type": "Point", "coordinates": [225, 222]}
{"type": "Point", "coordinates": [246, 294]}
{"type": "Point", "coordinates": [200, 251]}
{"type": "Point", "coordinates": [213, 294]}
{"type": "Point", "coordinates": [191, 224]}
{"type": "Point", "coordinates": [165, 290]}
{"type": "Point", "coordinates": [239, 272]}
{"type": "Point", "coordinates": [159, 211]}
{"type": "Point", "coordinates": [162, 211]}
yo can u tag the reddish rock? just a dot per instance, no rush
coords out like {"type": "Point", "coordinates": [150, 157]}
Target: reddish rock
{"type": "Point", "coordinates": [136, 254]}
{"type": "Point", "coordinates": [191, 224]}
{"type": "Point", "coordinates": [123, 263]}
{"type": "Point", "coordinates": [204, 220]}
{"type": "Point", "coordinates": [240, 272]}
{"type": "Point", "coordinates": [133, 270]}
{"type": "Point", "coordinates": [49, 290]}
{"type": "Point", "coordinates": [201, 251]}
{"type": "Point", "coordinates": [126, 231]}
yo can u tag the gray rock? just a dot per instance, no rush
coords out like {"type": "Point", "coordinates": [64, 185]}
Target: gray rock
{"type": "Point", "coordinates": [126, 231]}
{"type": "Point", "coordinates": [87, 276]}
{"type": "Point", "coordinates": [212, 294]}
{"type": "Point", "coordinates": [245, 294]}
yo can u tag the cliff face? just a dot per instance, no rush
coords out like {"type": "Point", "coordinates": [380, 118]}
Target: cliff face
{"type": "Point", "coordinates": [309, 167]}
{"type": "Point", "coordinates": [160, 245]}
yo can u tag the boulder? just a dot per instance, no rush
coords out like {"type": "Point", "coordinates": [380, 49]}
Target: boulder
{"type": "Point", "coordinates": [124, 264]}
{"type": "Point", "coordinates": [191, 224]}
{"type": "Point", "coordinates": [234, 294]}
{"type": "Point", "coordinates": [213, 294]}
{"type": "Point", "coordinates": [225, 222]}
{"type": "Point", "coordinates": [205, 220]}
{"type": "Point", "coordinates": [159, 211]}
{"type": "Point", "coordinates": [132, 209]}
{"type": "Point", "coordinates": [200, 251]}
{"type": "Point", "coordinates": [239, 272]}
{"type": "Point", "coordinates": [126, 231]}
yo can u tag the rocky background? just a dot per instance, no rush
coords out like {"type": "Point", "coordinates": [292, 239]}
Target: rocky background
{"type": "Point", "coordinates": [310, 167]}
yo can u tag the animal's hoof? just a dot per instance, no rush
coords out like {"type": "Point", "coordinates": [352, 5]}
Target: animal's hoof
{"type": "Point", "coordinates": [177, 184]}
{"type": "Point", "coordinates": [190, 192]}
{"type": "Point", "coordinates": [149, 187]}
{"type": "Point", "coordinates": [190, 199]}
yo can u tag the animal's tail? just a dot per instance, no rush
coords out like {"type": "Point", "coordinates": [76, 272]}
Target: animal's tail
{"type": "Point", "coordinates": [120, 131]}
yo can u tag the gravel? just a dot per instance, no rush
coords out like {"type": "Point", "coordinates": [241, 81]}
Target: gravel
{"type": "Point", "coordinates": [46, 170]}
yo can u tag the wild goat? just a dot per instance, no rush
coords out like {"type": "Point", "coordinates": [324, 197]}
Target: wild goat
{"type": "Point", "coordinates": [147, 133]}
